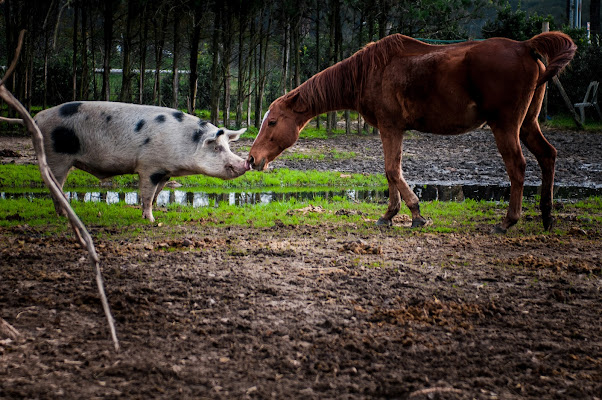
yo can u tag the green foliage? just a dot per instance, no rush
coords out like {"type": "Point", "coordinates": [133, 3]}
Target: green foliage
{"type": "Point", "coordinates": [515, 24]}
{"type": "Point", "coordinates": [585, 67]}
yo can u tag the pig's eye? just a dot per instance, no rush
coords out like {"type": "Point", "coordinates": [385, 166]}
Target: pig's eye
{"type": "Point", "coordinates": [272, 123]}
{"type": "Point", "coordinates": [219, 149]}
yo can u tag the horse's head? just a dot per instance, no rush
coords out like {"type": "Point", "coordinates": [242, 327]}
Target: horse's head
{"type": "Point", "coordinates": [279, 131]}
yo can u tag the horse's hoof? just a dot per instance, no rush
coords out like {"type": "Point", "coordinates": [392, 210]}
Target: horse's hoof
{"type": "Point", "coordinates": [418, 222]}
{"type": "Point", "coordinates": [384, 222]}
{"type": "Point", "coordinates": [548, 223]}
{"type": "Point", "coordinates": [499, 230]}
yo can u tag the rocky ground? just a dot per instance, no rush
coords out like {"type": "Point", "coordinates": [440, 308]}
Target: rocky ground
{"type": "Point", "coordinates": [341, 311]}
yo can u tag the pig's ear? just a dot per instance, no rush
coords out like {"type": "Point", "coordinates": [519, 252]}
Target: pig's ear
{"type": "Point", "coordinates": [211, 139]}
{"type": "Point", "coordinates": [234, 135]}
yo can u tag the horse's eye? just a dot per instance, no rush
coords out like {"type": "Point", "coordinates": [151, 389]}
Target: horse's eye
{"type": "Point", "coordinates": [272, 123]}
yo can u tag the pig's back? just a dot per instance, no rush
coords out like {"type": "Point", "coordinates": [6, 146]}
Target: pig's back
{"type": "Point", "coordinates": [116, 136]}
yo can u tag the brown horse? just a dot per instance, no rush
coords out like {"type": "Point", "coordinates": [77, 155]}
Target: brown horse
{"type": "Point", "coordinates": [400, 83]}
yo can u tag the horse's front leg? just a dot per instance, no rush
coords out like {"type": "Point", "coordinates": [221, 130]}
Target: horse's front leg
{"type": "Point", "coordinates": [398, 187]}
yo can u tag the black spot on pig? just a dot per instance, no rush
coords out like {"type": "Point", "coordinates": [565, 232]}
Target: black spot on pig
{"type": "Point", "coordinates": [147, 141]}
{"type": "Point", "coordinates": [69, 109]}
{"type": "Point", "coordinates": [160, 118]}
{"type": "Point", "coordinates": [157, 177]}
{"type": "Point", "coordinates": [179, 115]}
{"type": "Point", "coordinates": [108, 118]}
{"type": "Point", "coordinates": [219, 133]}
{"type": "Point", "coordinates": [139, 125]}
{"type": "Point", "coordinates": [64, 140]}
{"type": "Point", "coordinates": [197, 135]}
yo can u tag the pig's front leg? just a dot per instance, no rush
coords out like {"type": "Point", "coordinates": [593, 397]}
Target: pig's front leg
{"type": "Point", "coordinates": [150, 185]}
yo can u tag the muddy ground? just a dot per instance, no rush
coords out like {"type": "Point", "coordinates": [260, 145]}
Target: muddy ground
{"type": "Point", "coordinates": [339, 311]}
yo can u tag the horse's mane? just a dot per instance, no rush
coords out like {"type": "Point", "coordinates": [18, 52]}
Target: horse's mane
{"type": "Point", "coordinates": [324, 89]}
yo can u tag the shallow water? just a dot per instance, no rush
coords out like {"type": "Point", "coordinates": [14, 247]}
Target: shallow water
{"type": "Point", "coordinates": [427, 192]}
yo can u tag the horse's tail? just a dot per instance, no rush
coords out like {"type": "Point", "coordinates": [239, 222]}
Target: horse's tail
{"type": "Point", "coordinates": [557, 47]}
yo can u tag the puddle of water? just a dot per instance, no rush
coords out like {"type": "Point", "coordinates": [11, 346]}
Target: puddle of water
{"type": "Point", "coordinates": [424, 192]}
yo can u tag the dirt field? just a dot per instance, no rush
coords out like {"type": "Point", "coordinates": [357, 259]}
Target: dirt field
{"type": "Point", "coordinates": [340, 311]}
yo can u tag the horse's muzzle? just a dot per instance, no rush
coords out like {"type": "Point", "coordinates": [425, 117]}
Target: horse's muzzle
{"type": "Point", "coordinates": [257, 167]}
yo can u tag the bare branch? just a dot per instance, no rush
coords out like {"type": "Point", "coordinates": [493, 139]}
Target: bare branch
{"type": "Point", "coordinates": [7, 330]}
{"type": "Point", "coordinates": [48, 14]}
{"type": "Point", "coordinates": [434, 390]}
{"type": "Point", "coordinates": [58, 20]}
{"type": "Point", "coordinates": [12, 120]}
{"type": "Point", "coordinates": [13, 65]}
{"type": "Point", "coordinates": [57, 194]}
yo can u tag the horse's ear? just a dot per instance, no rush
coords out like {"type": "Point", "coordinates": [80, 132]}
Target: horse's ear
{"type": "Point", "coordinates": [295, 103]}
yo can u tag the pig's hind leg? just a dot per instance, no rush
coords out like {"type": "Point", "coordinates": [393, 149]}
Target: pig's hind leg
{"type": "Point", "coordinates": [150, 186]}
{"type": "Point", "coordinates": [60, 171]}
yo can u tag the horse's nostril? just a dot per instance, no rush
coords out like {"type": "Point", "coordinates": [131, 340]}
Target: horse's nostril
{"type": "Point", "coordinates": [251, 160]}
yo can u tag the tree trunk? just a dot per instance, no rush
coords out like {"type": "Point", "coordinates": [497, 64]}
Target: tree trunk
{"type": "Point", "coordinates": [143, 44]}
{"type": "Point", "coordinates": [159, 43]}
{"type": "Point", "coordinates": [93, 54]}
{"type": "Point", "coordinates": [360, 126]}
{"type": "Point", "coordinates": [318, 2]}
{"type": "Point", "coordinates": [227, 74]}
{"type": "Point", "coordinates": [45, 70]}
{"type": "Point", "coordinates": [334, 46]}
{"type": "Point", "coordinates": [74, 65]}
{"type": "Point", "coordinates": [215, 49]}
{"type": "Point", "coordinates": [194, 58]}
{"type": "Point", "coordinates": [240, 91]}
{"type": "Point", "coordinates": [296, 44]}
{"type": "Point", "coordinates": [285, 58]}
{"type": "Point", "coordinates": [258, 69]}
{"type": "Point", "coordinates": [176, 59]}
{"type": "Point", "coordinates": [594, 15]}
{"type": "Point", "coordinates": [126, 76]}
{"type": "Point", "coordinates": [108, 44]}
{"type": "Point", "coordinates": [84, 90]}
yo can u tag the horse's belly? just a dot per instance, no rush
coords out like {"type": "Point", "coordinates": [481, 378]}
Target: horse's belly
{"type": "Point", "coordinates": [450, 120]}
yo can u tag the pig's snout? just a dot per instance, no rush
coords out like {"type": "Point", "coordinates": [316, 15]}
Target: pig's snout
{"type": "Point", "coordinates": [237, 169]}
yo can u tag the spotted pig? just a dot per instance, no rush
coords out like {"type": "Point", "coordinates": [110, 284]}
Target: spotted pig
{"type": "Point", "coordinates": [108, 139]}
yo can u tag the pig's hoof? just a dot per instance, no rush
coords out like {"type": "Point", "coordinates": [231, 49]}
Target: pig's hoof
{"type": "Point", "coordinates": [148, 216]}
{"type": "Point", "coordinates": [384, 222]}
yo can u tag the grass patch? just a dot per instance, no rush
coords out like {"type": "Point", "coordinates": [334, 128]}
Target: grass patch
{"type": "Point", "coordinates": [566, 122]}
{"type": "Point", "coordinates": [28, 176]}
{"type": "Point", "coordinates": [318, 155]}
{"type": "Point", "coordinates": [447, 217]}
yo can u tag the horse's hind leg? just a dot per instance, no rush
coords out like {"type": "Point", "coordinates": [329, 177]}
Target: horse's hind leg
{"type": "Point", "coordinates": [398, 187]}
{"type": "Point", "coordinates": [545, 153]}
{"type": "Point", "coordinates": [506, 137]}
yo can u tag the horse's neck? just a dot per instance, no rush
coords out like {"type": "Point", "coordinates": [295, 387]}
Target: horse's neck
{"type": "Point", "coordinates": [330, 90]}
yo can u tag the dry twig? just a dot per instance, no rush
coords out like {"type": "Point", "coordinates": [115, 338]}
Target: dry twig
{"type": "Point", "coordinates": [80, 231]}
{"type": "Point", "coordinates": [432, 390]}
{"type": "Point", "coordinates": [7, 330]}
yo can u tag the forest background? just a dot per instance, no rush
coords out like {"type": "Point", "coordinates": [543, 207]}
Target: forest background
{"type": "Point", "coordinates": [227, 60]}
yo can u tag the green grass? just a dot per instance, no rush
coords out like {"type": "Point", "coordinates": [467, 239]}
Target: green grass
{"type": "Point", "coordinates": [566, 122]}
{"type": "Point", "coordinates": [318, 155]}
{"type": "Point", "coordinates": [446, 217]}
{"type": "Point", "coordinates": [28, 176]}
